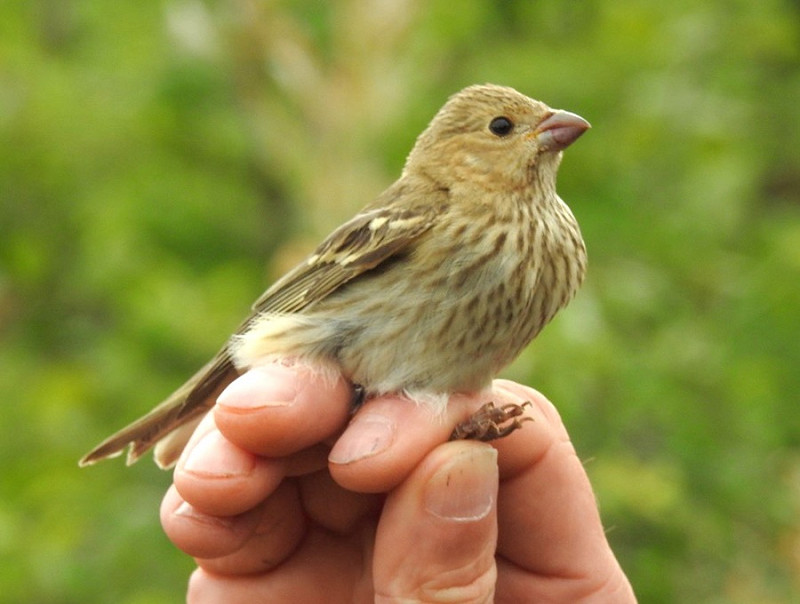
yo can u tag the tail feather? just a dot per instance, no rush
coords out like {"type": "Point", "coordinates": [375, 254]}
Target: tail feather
{"type": "Point", "coordinates": [189, 402]}
{"type": "Point", "coordinates": [168, 450]}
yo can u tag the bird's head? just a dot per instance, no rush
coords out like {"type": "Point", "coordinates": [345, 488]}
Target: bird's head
{"type": "Point", "coordinates": [495, 138]}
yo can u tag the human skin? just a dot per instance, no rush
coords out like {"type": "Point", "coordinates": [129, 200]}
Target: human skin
{"type": "Point", "coordinates": [276, 503]}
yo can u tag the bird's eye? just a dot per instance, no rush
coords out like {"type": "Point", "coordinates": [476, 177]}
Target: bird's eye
{"type": "Point", "coordinates": [501, 126]}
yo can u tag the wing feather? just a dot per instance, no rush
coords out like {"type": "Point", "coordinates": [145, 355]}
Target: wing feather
{"type": "Point", "coordinates": [361, 244]}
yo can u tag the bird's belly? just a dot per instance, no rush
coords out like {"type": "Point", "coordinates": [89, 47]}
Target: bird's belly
{"type": "Point", "coordinates": [438, 341]}
{"type": "Point", "coordinates": [424, 335]}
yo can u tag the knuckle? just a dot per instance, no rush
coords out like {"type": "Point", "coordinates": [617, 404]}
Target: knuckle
{"type": "Point", "coordinates": [456, 586]}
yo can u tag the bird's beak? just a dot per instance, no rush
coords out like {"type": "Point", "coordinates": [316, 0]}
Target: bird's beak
{"type": "Point", "coordinates": [559, 130]}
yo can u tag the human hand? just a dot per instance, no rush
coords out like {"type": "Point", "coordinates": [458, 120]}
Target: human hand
{"type": "Point", "coordinates": [271, 513]}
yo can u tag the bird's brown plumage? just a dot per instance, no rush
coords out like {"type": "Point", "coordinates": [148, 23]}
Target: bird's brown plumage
{"type": "Point", "coordinates": [433, 287]}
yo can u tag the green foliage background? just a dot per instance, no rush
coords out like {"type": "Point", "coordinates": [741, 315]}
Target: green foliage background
{"type": "Point", "coordinates": [161, 162]}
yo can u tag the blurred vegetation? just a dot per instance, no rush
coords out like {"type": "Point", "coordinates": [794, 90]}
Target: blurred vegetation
{"type": "Point", "coordinates": [161, 162]}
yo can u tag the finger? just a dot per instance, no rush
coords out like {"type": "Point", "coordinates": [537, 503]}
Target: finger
{"type": "Point", "coordinates": [220, 479]}
{"type": "Point", "coordinates": [549, 525]}
{"type": "Point", "coordinates": [281, 408]}
{"type": "Point", "coordinates": [334, 508]}
{"type": "Point", "coordinates": [389, 436]}
{"type": "Point", "coordinates": [325, 568]}
{"type": "Point", "coordinates": [437, 535]}
{"type": "Point", "coordinates": [200, 534]}
{"type": "Point", "coordinates": [276, 536]}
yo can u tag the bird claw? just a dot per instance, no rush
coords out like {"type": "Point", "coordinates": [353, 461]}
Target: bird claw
{"type": "Point", "coordinates": [487, 422]}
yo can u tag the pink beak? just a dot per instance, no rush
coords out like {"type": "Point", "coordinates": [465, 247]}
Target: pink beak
{"type": "Point", "coordinates": [560, 129]}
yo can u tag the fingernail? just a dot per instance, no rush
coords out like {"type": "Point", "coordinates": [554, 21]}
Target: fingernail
{"type": "Point", "coordinates": [273, 385]}
{"type": "Point", "coordinates": [368, 435]}
{"type": "Point", "coordinates": [184, 510]}
{"type": "Point", "coordinates": [215, 457]}
{"type": "Point", "coordinates": [464, 489]}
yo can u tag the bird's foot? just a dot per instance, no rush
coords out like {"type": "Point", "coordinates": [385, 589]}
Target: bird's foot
{"type": "Point", "coordinates": [491, 422]}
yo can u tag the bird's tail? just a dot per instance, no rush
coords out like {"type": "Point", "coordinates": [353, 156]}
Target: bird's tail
{"type": "Point", "coordinates": [171, 423]}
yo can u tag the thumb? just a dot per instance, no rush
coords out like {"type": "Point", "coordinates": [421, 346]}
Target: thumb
{"type": "Point", "coordinates": [437, 535]}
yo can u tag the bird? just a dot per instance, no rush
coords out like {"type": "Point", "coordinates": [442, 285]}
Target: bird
{"type": "Point", "coordinates": [431, 289]}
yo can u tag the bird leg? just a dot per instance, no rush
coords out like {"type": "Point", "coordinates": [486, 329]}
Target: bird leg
{"type": "Point", "coordinates": [359, 398]}
{"type": "Point", "coordinates": [487, 422]}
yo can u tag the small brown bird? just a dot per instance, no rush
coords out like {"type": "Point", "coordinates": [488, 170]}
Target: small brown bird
{"type": "Point", "coordinates": [432, 288]}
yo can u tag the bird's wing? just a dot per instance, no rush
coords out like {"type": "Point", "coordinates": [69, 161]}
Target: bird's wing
{"type": "Point", "coordinates": [378, 233]}
{"type": "Point", "coordinates": [384, 229]}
